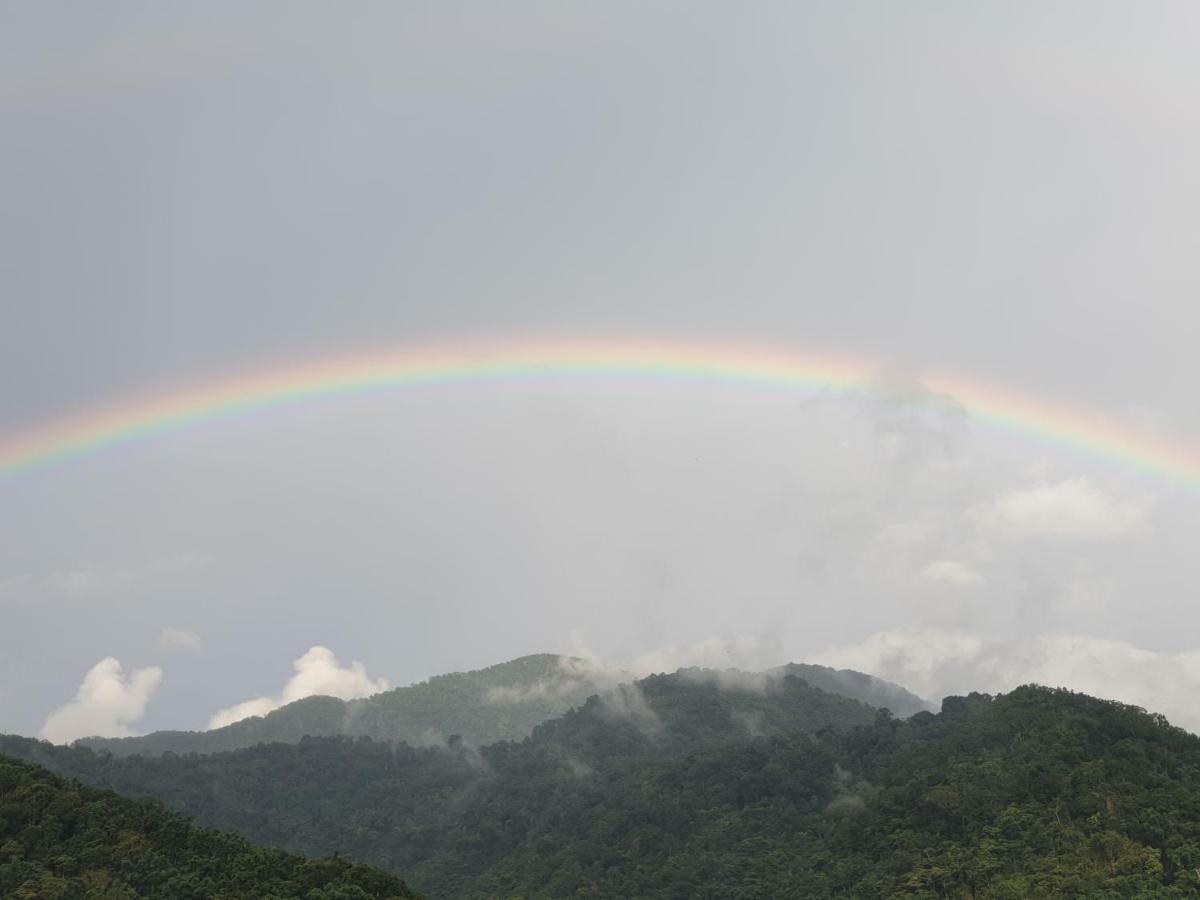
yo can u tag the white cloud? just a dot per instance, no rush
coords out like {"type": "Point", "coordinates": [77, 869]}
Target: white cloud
{"type": "Point", "coordinates": [1071, 508]}
{"type": "Point", "coordinates": [179, 639]}
{"type": "Point", "coordinates": [317, 673]}
{"type": "Point", "coordinates": [935, 663]}
{"type": "Point", "coordinates": [745, 653]}
{"type": "Point", "coordinates": [259, 706]}
{"type": "Point", "coordinates": [950, 571]}
{"type": "Point", "coordinates": [922, 660]}
{"type": "Point", "coordinates": [106, 704]}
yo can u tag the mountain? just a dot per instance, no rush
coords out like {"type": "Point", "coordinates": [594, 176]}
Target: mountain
{"type": "Point", "coordinates": [702, 785]}
{"type": "Point", "coordinates": [501, 702]}
{"type": "Point", "coordinates": [866, 688]}
{"type": "Point", "coordinates": [1037, 793]}
{"type": "Point", "coordinates": [454, 813]}
{"type": "Point", "coordinates": [61, 840]}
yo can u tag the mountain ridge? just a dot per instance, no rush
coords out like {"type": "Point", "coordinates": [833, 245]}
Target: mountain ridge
{"type": "Point", "coordinates": [504, 701]}
{"type": "Point", "coordinates": [695, 784]}
{"type": "Point", "coordinates": [312, 797]}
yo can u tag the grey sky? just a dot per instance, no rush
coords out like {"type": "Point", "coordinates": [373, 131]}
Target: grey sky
{"type": "Point", "coordinates": [1008, 191]}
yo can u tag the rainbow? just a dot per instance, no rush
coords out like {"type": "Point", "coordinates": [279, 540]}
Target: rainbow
{"type": "Point", "coordinates": [75, 435]}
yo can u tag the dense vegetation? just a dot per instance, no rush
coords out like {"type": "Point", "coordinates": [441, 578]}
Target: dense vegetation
{"type": "Point", "coordinates": [500, 703]}
{"type": "Point", "coordinates": [445, 817]}
{"type": "Point", "coordinates": [699, 785]}
{"type": "Point", "coordinates": [62, 841]}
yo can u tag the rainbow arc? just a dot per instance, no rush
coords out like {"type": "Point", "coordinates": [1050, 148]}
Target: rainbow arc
{"type": "Point", "coordinates": [123, 422]}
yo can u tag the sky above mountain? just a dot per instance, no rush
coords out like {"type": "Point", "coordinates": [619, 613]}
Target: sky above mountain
{"type": "Point", "coordinates": [198, 191]}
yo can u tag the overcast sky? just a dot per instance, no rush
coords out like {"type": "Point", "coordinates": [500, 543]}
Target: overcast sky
{"type": "Point", "coordinates": [1008, 191]}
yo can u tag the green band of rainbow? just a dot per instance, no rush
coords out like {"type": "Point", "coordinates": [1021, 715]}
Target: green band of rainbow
{"type": "Point", "coordinates": [77, 435]}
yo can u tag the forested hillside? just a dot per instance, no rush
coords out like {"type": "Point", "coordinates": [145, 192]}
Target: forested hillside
{"type": "Point", "coordinates": [456, 813]}
{"type": "Point", "coordinates": [501, 702]}
{"type": "Point", "coordinates": [696, 785]}
{"type": "Point", "coordinates": [858, 686]}
{"type": "Point", "coordinates": [61, 841]}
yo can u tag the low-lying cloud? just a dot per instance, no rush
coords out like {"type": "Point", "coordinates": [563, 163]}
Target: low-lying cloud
{"type": "Point", "coordinates": [747, 654]}
{"type": "Point", "coordinates": [626, 702]}
{"type": "Point", "coordinates": [317, 673]}
{"type": "Point", "coordinates": [935, 663]}
{"type": "Point", "coordinates": [730, 663]}
{"type": "Point", "coordinates": [105, 705]}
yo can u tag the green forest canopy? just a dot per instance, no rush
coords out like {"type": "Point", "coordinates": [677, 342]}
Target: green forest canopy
{"type": "Point", "coordinates": [691, 786]}
{"type": "Point", "coordinates": [62, 841]}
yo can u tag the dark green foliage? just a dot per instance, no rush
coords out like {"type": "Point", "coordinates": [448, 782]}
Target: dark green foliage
{"type": "Point", "coordinates": [446, 817]}
{"type": "Point", "coordinates": [62, 841]}
{"type": "Point", "coordinates": [707, 785]}
{"type": "Point", "coordinates": [1037, 793]}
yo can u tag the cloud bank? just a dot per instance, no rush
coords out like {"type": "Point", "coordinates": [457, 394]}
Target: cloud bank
{"type": "Point", "coordinates": [1071, 508]}
{"type": "Point", "coordinates": [105, 705]}
{"type": "Point", "coordinates": [317, 673]}
{"type": "Point", "coordinates": [934, 663]}
{"type": "Point", "coordinates": [745, 653]}
{"type": "Point", "coordinates": [748, 654]}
